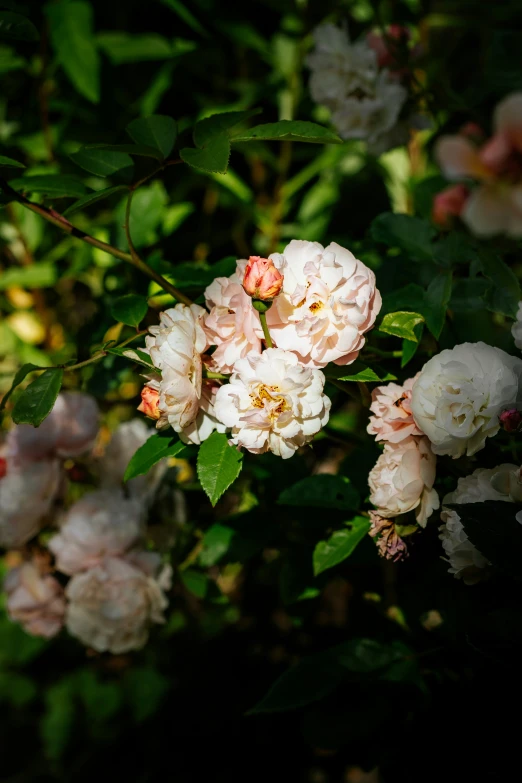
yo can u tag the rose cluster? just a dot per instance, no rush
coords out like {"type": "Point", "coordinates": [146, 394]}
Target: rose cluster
{"type": "Point", "coordinates": [103, 585]}
{"type": "Point", "coordinates": [251, 364]}
{"type": "Point", "coordinates": [461, 397]}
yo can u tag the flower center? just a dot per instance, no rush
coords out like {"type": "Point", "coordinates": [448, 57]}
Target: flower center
{"type": "Point", "coordinates": [269, 398]}
{"type": "Point", "coordinates": [315, 307]}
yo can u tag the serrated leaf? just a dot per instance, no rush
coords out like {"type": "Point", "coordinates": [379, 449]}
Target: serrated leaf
{"type": "Point", "coordinates": [17, 380]}
{"type": "Point", "coordinates": [340, 545]}
{"type": "Point", "coordinates": [504, 295]}
{"type": "Point", "coordinates": [15, 27]}
{"type": "Point", "coordinates": [140, 150]}
{"type": "Point", "coordinates": [401, 324]}
{"type": "Point", "coordinates": [156, 131]}
{"type": "Point", "coordinates": [493, 528]}
{"type": "Point", "coordinates": [71, 29]}
{"type": "Point", "coordinates": [358, 372]}
{"type": "Point", "coordinates": [158, 446]}
{"type": "Point", "coordinates": [37, 400]}
{"type": "Point", "coordinates": [57, 185]}
{"type": "Point", "coordinates": [409, 348]}
{"type": "Point", "coordinates": [322, 491]}
{"type": "Point", "coordinates": [212, 126]}
{"type": "Point", "coordinates": [102, 162]}
{"type": "Point", "coordinates": [219, 465]}
{"type": "Point", "coordinates": [92, 198]}
{"type": "Point", "coordinates": [130, 309]}
{"type": "Point", "coordinates": [289, 130]}
{"type": "Point", "coordinates": [213, 158]}
{"type": "Point", "coordinates": [436, 301]}
{"type": "Point", "coordinates": [34, 276]}
{"type": "Point", "coordinates": [9, 162]}
{"type": "Point", "coordinates": [412, 235]}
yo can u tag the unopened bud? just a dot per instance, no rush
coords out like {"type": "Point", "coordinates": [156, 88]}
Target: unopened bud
{"type": "Point", "coordinates": [449, 204]}
{"type": "Point", "coordinates": [510, 420]}
{"type": "Point", "coordinates": [262, 280]}
{"type": "Point", "coordinates": [149, 403]}
{"type": "Point", "coordinates": [3, 467]}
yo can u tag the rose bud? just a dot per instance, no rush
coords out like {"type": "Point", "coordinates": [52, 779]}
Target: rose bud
{"type": "Point", "coordinates": [149, 403]}
{"type": "Point", "coordinates": [262, 280]}
{"type": "Point", "coordinates": [448, 204]}
{"type": "Point", "coordinates": [3, 467]}
{"type": "Point", "coordinates": [511, 419]}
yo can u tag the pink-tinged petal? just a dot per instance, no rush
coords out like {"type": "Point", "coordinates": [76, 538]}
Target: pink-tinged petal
{"type": "Point", "coordinates": [496, 152]}
{"type": "Point", "coordinates": [487, 211]}
{"type": "Point", "coordinates": [458, 158]}
{"type": "Point", "coordinates": [449, 204]}
{"type": "Point", "coordinates": [508, 119]}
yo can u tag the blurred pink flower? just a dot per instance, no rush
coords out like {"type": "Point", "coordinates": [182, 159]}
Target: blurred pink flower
{"type": "Point", "coordinates": [448, 204]}
{"type": "Point", "coordinates": [35, 600]}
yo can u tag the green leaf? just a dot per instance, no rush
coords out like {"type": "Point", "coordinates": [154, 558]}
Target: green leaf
{"type": "Point", "coordinates": [135, 355]}
{"type": "Point", "coordinates": [215, 125]}
{"type": "Point", "coordinates": [340, 545]}
{"type": "Point", "coordinates": [130, 309]}
{"type": "Point", "coordinates": [101, 162]}
{"type": "Point", "coordinates": [146, 215]}
{"type": "Point", "coordinates": [436, 302]}
{"type": "Point", "coordinates": [401, 325]}
{"type": "Point", "coordinates": [316, 676]}
{"type": "Point", "coordinates": [34, 276]}
{"type": "Point", "coordinates": [71, 29]}
{"type": "Point", "coordinates": [184, 14]}
{"type": "Point", "coordinates": [195, 582]}
{"type": "Point", "coordinates": [92, 198]}
{"type": "Point", "coordinates": [493, 528]}
{"type": "Point", "coordinates": [215, 544]}
{"type": "Point", "coordinates": [213, 158]}
{"type": "Point", "coordinates": [454, 249]}
{"type": "Point", "coordinates": [145, 689]}
{"type": "Point", "coordinates": [123, 48]}
{"type": "Point", "coordinates": [412, 235]}
{"type": "Point", "coordinates": [504, 295]}
{"type": "Point", "coordinates": [37, 400]}
{"type": "Point", "coordinates": [219, 465]}
{"type": "Point", "coordinates": [8, 162]}
{"type": "Point", "coordinates": [359, 372]}
{"type": "Point", "coordinates": [141, 150]}
{"type": "Point", "coordinates": [409, 297]}
{"type": "Point", "coordinates": [17, 380]}
{"type": "Point", "coordinates": [409, 348]}
{"type": "Point", "coordinates": [55, 185]}
{"type": "Point", "coordinates": [289, 130]}
{"type": "Point", "coordinates": [158, 446]}
{"type": "Point", "coordinates": [57, 722]}
{"type": "Point", "coordinates": [322, 491]}
{"type": "Point", "coordinates": [15, 27]}
{"type": "Point", "coordinates": [156, 131]}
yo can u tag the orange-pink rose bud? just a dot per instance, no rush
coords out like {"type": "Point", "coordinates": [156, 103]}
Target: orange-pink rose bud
{"type": "Point", "coordinates": [262, 280]}
{"type": "Point", "coordinates": [149, 403]}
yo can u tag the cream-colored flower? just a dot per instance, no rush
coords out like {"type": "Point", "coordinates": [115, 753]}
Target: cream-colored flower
{"type": "Point", "coordinates": [460, 393]}
{"type": "Point", "coordinates": [112, 606]}
{"type": "Point", "coordinates": [272, 403]}
{"type": "Point", "coordinates": [35, 600]}
{"type": "Point", "coordinates": [328, 301]}
{"type": "Point", "coordinates": [466, 562]}
{"type": "Point", "coordinates": [102, 524]}
{"type": "Point", "coordinates": [402, 480]}
{"type": "Point", "coordinates": [232, 324]}
{"type": "Point", "coordinates": [516, 329]}
{"type": "Point", "coordinates": [391, 405]}
{"type": "Point", "coordinates": [27, 492]}
{"type": "Point", "coordinates": [175, 348]}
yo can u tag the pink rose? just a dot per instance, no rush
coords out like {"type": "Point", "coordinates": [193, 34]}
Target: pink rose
{"type": "Point", "coordinates": [262, 280]}
{"type": "Point", "coordinates": [402, 480]}
{"type": "Point", "coordinates": [391, 405]}
{"type": "Point", "coordinates": [35, 600]}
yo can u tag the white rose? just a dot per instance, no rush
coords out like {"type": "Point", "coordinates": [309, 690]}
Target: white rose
{"type": "Point", "coordinates": [460, 393]}
{"type": "Point", "coordinates": [272, 403]}
{"type": "Point", "coordinates": [27, 492]}
{"type": "Point", "coordinates": [103, 523]}
{"type": "Point", "coordinates": [402, 480]}
{"type": "Point", "coordinates": [466, 562]}
{"type": "Point", "coordinates": [175, 348]}
{"type": "Point", "coordinates": [35, 600]}
{"type": "Point", "coordinates": [516, 329]}
{"type": "Point", "coordinates": [328, 302]}
{"type": "Point", "coordinates": [69, 430]}
{"type": "Point", "coordinates": [112, 606]}
{"type": "Point", "coordinates": [232, 324]}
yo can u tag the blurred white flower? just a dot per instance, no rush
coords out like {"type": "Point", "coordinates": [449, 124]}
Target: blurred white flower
{"type": "Point", "coordinates": [365, 102]}
{"type": "Point", "coordinates": [272, 403]}
{"type": "Point", "coordinates": [35, 599]}
{"type": "Point", "coordinates": [102, 524]}
{"type": "Point", "coordinates": [328, 301]}
{"type": "Point", "coordinates": [466, 562]}
{"type": "Point", "coordinates": [516, 329]}
{"type": "Point", "coordinates": [232, 324]}
{"type": "Point", "coordinates": [402, 480]}
{"type": "Point", "coordinates": [393, 419]}
{"type": "Point", "coordinates": [460, 393]}
{"type": "Point", "coordinates": [112, 606]}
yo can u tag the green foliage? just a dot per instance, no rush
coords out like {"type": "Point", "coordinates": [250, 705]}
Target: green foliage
{"type": "Point", "coordinates": [156, 131]}
{"type": "Point", "coordinates": [360, 373]}
{"type": "Point", "coordinates": [412, 235]}
{"type": "Point", "coordinates": [15, 27]}
{"type": "Point", "coordinates": [158, 446]}
{"type": "Point", "coordinates": [340, 545]}
{"type": "Point", "coordinates": [219, 465]}
{"type": "Point", "coordinates": [37, 400]}
{"type": "Point", "coordinates": [401, 324]}
{"type": "Point", "coordinates": [71, 29]}
{"type": "Point", "coordinates": [130, 309]}
{"type": "Point", "coordinates": [52, 185]}
{"type": "Point", "coordinates": [289, 130]}
{"type": "Point", "coordinates": [323, 491]}
{"type": "Point", "coordinates": [102, 162]}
